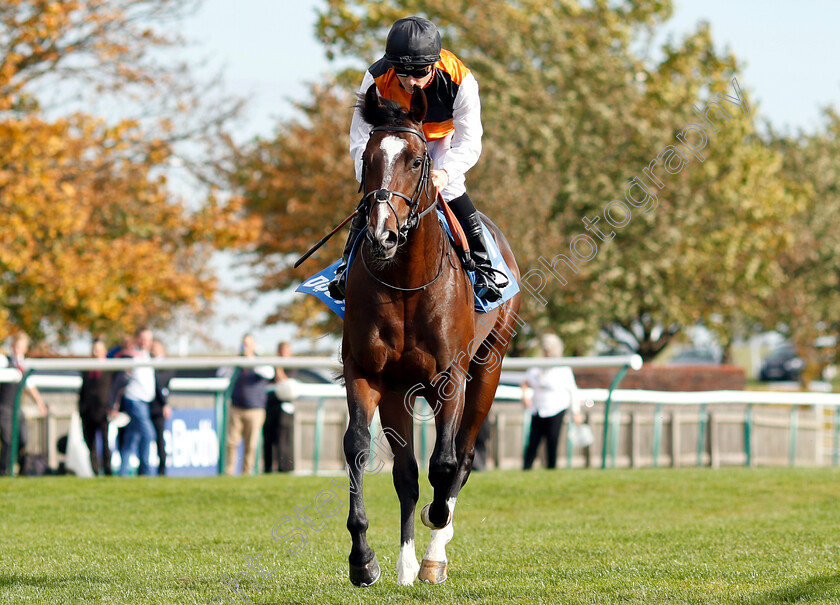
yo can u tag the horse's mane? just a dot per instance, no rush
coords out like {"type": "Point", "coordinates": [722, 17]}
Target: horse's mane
{"type": "Point", "coordinates": [385, 113]}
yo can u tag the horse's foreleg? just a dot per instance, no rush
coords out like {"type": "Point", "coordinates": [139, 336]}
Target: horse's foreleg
{"type": "Point", "coordinates": [434, 566]}
{"type": "Point", "coordinates": [398, 426]}
{"type": "Point", "coordinates": [448, 405]}
{"type": "Point", "coordinates": [443, 468]}
{"type": "Point", "coordinates": [361, 403]}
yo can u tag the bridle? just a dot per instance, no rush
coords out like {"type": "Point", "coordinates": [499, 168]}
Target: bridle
{"type": "Point", "coordinates": [383, 196]}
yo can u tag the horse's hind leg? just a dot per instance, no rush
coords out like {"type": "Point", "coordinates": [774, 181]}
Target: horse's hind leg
{"type": "Point", "coordinates": [398, 426]}
{"type": "Point", "coordinates": [361, 403]}
{"type": "Point", "coordinates": [481, 391]}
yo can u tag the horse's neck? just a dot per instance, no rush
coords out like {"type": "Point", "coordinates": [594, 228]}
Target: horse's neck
{"type": "Point", "coordinates": [423, 250]}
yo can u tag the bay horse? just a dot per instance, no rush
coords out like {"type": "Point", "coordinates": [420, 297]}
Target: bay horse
{"type": "Point", "coordinates": [410, 329]}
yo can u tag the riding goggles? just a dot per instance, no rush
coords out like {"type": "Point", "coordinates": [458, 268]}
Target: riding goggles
{"type": "Point", "coordinates": [415, 71]}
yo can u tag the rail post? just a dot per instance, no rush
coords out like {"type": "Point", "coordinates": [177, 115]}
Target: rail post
{"type": "Point", "coordinates": [701, 433]}
{"type": "Point", "coordinates": [657, 433]}
{"type": "Point", "coordinates": [836, 453]}
{"type": "Point", "coordinates": [748, 421]}
{"type": "Point", "coordinates": [15, 444]}
{"type": "Point", "coordinates": [319, 432]}
{"type": "Point", "coordinates": [223, 429]}
{"type": "Point", "coordinates": [605, 448]}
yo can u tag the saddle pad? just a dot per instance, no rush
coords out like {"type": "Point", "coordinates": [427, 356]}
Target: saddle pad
{"type": "Point", "coordinates": [498, 262]}
{"type": "Point", "coordinates": [318, 283]}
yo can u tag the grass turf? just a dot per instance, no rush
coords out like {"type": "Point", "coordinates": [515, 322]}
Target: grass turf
{"type": "Point", "coordinates": [746, 536]}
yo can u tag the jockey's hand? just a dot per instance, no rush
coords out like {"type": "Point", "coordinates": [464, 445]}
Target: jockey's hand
{"type": "Point", "coordinates": [440, 179]}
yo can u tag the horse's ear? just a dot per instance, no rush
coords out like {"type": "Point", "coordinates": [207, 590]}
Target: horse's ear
{"type": "Point", "coordinates": [371, 98]}
{"type": "Point", "coordinates": [419, 105]}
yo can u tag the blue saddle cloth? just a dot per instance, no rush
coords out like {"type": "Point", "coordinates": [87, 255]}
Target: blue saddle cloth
{"type": "Point", "coordinates": [317, 284]}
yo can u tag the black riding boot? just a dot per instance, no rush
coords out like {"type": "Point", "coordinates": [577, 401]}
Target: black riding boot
{"type": "Point", "coordinates": [489, 282]}
{"type": "Point", "coordinates": [338, 285]}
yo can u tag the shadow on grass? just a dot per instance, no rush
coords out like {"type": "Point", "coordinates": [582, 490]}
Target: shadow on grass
{"type": "Point", "coordinates": [816, 588]}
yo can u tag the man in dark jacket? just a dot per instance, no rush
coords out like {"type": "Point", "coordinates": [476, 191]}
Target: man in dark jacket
{"type": "Point", "coordinates": [279, 422]}
{"type": "Point", "coordinates": [93, 408]}
{"type": "Point", "coordinates": [247, 410]}
{"type": "Point", "coordinates": [159, 408]}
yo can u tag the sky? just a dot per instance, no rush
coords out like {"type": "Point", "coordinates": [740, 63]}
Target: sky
{"type": "Point", "coordinates": [268, 53]}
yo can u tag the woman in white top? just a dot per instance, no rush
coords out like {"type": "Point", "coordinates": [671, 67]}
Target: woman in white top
{"type": "Point", "coordinates": [554, 391]}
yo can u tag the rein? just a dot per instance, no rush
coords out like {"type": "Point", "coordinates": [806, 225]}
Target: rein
{"type": "Point", "coordinates": [443, 258]}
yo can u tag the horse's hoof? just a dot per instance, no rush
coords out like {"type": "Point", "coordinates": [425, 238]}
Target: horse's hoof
{"type": "Point", "coordinates": [424, 517]}
{"type": "Point", "coordinates": [433, 572]}
{"type": "Point", "coordinates": [365, 575]}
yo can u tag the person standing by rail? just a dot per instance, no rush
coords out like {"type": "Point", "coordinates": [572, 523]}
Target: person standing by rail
{"type": "Point", "coordinates": [279, 421]}
{"type": "Point", "coordinates": [159, 408]}
{"type": "Point", "coordinates": [133, 392]}
{"type": "Point", "coordinates": [93, 409]}
{"type": "Point", "coordinates": [555, 391]}
{"type": "Point", "coordinates": [8, 391]}
{"type": "Point", "coordinates": [247, 410]}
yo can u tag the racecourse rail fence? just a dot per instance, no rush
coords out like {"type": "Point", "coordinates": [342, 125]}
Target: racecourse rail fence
{"type": "Point", "coordinates": [645, 428]}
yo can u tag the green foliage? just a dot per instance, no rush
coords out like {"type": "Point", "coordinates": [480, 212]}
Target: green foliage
{"type": "Point", "coordinates": [575, 105]}
{"type": "Point", "coordinates": [300, 185]}
{"type": "Point", "coordinates": [807, 297]}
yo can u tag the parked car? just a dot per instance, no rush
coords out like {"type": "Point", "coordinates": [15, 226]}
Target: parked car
{"type": "Point", "coordinates": [312, 375]}
{"type": "Point", "coordinates": [781, 363]}
{"type": "Point", "coordinates": [695, 357]}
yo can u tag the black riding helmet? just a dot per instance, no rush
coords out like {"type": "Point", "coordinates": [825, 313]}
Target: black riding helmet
{"type": "Point", "coordinates": [413, 41]}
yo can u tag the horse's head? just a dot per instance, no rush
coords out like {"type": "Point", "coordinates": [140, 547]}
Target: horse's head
{"type": "Point", "coordinates": [396, 170]}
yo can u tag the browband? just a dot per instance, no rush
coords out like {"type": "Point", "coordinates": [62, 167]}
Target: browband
{"type": "Point", "coordinates": [399, 129]}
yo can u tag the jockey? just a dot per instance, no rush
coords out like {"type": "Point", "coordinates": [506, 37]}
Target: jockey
{"type": "Point", "coordinates": [414, 58]}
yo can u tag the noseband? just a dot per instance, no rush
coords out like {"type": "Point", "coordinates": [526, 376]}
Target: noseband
{"type": "Point", "coordinates": [383, 196]}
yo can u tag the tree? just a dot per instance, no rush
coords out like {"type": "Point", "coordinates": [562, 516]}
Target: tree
{"type": "Point", "coordinates": [807, 296]}
{"type": "Point", "coordinates": [300, 185]}
{"type": "Point", "coordinates": [93, 240]}
{"type": "Point", "coordinates": [574, 110]}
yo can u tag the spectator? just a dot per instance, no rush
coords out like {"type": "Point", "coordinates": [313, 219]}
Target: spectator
{"type": "Point", "coordinates": [160, 410]}
{"type": "Point", "coordinates": [279, 423]}
{"type": "Point", "coordinates": [93, 409]}
{"type": "Point", "coordinates": [134, 392]}
{"type": "Point", "coordinates": [555, 391]}
{"type": "Point", "coordinates": [118, 351]}
{"type": "Point", "coordinates": [247, 411]}
{"type": "Point", "coordinates": [8, 391]}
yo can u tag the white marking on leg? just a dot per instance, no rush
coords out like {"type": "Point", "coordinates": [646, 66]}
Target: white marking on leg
{"type": "Point", "coordinates": [441, 537]}
{"type": "Point", "coordinates": [407, 565]}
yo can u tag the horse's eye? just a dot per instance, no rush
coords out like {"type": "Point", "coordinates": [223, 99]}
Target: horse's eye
{"type": "Point", "coordinates": [418, 162]}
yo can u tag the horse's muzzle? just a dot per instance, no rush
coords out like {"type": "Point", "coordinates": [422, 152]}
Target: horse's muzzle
{"type": "Point", "coordinates": [383, 246]}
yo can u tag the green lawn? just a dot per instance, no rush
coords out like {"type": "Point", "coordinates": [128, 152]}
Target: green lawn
{"type": "Point", "coordinates": [746, 536]}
